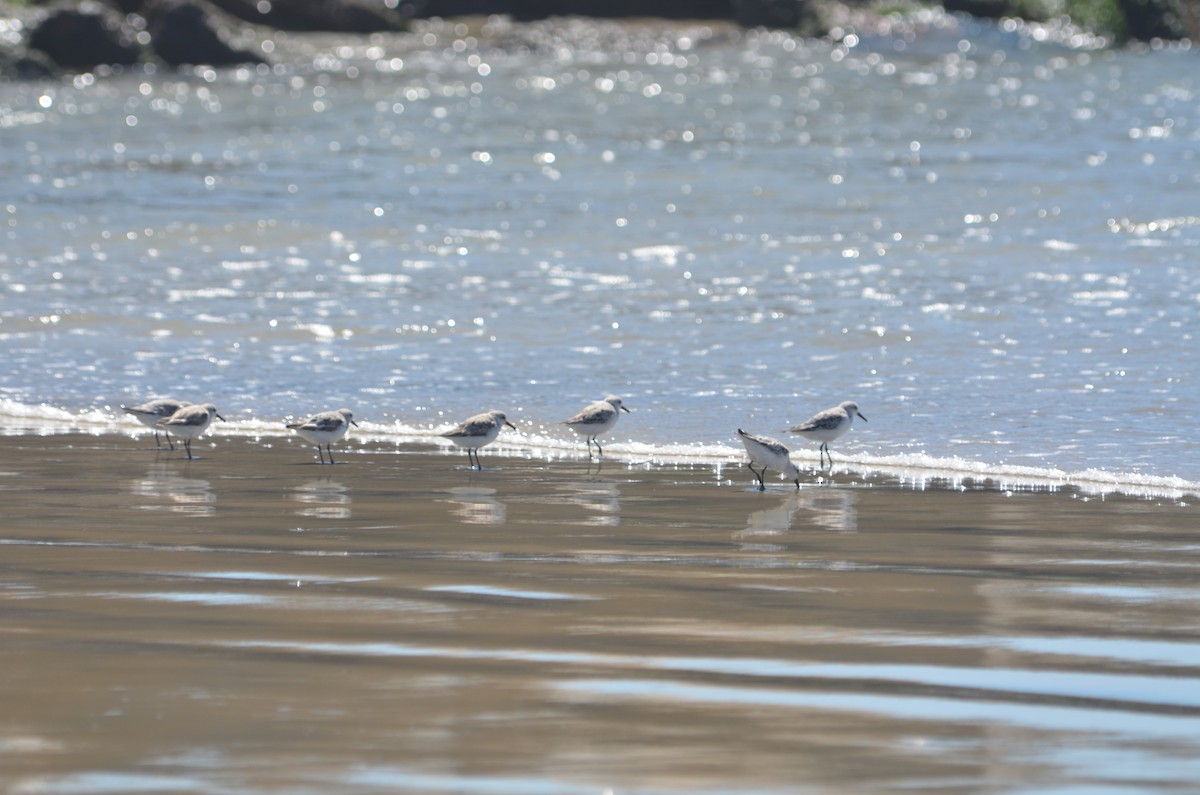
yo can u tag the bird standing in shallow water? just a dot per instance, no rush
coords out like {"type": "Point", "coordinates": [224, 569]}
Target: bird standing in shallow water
{"type": "Point", "coordinates": [190, 422]}
{"type": "Point", "coordinates": [768, 453]}
{"type": "Point", "coordinates": [325, 428]}
{"type": "Point", "coordinates": [595, 419]}
{"type": "Point", "coordinates": [474, 432]}
{"type": "Point", "coordinates": [827, 425]}
{"type": "Point", "coordinates": [152, 412]}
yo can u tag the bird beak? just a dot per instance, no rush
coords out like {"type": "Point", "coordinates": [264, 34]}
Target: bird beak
{"type": "Point", "coordinates": [627, 411]}
{"type": "Point", "coordinates": [355, 424]}
{"type": "Point", "coordinates": [861, 417]}
{"type": "Point", "coordinates": [509, 424]}
{"type": "Point", "coordinates": [218, 416]}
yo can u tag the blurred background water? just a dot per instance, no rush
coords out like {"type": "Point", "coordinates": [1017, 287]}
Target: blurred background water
{"type": "Point", "coordinates": [989, 241]}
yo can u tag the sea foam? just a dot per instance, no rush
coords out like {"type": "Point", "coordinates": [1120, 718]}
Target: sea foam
{"type": "Point", "coordinates": [912, 470]}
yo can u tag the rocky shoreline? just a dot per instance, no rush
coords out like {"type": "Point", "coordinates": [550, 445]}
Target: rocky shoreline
{"type": "Point", "coordinates": [64, 36]}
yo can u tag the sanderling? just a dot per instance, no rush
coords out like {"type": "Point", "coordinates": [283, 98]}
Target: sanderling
{"type": "Point", "coordinates": [477, 431]}
{"type": "Point", "coordinates": [827, 425]}
{"type": "Point", "coordinates": [153, 411]}
{"type": "Point", "coordinates": [190, 422]}
{"type": "Point", "coordinates": [768, 453]}
{"type": "Point", "coordinates": [595, 419]}
{"type": "Point", "coordinates": [325, 429]}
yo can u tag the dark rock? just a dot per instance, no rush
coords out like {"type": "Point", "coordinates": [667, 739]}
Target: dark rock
{"type": "Point", "coordinates": [181, 34]}
{"type": "Point", "coordinates": [82, 41]}
{"type": "Point", "coordinates": [987, 9]}
{"type": "Point", "coordinates": [1124, 19]}
{"type": "Point", "coordinates": [335, 16]}
{"type": "Point", "coordinates": [23, 65]}
{"type": "Point", "coordinates": [129, 6]}
{"type": "Point", "coordinates": [1158, 19]}
{"type": "Point", "coordinates": [786, 14]}
{"type": "Point", "coordinates": [616, 9]}
{"type": "Point", "coordinates": [423, 9]}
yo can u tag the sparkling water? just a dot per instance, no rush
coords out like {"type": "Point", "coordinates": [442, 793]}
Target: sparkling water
{"type": "Point", "coordinates": [986, 240]}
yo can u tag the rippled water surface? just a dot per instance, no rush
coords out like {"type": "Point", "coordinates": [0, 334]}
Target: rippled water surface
{"type": "Point", "coordinates": [988, 241]}
{"type": "Point", "coordinates": [254, 622]}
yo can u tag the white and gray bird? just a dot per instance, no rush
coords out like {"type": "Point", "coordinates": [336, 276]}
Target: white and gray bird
{"type": "Point", "coordinates": [190, 422]}
{"type": "Point", "coordinates": [768, 453]}
{"type": "Point", "coordinates": [152, 412]}
{"type": "Point", "coordinates": [595, 419]}
{"type": "Point", "coordinates": [474, 432]}
{"type": "Point", "coordinates": [827, 425]}
{"type": "Point", "coordinates": [325, 429]}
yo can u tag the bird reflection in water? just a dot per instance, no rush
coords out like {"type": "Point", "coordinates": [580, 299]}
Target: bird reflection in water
{"type": "Point", "coordinates": [477, 505]}
{"type": "Point", "coordinates": [323, 499]}
{"type": "Point", "coordinates": [602, 501]}
{"type": "Point", "coordinates": [762, 524]}
{"type": "Point", "coordinates": [164, 490]}
{"type": "Point", "coordinates": [833, 509]}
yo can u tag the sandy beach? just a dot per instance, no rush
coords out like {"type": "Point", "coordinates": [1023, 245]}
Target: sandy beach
{"type": "Point", "coordinates": [252, 621]}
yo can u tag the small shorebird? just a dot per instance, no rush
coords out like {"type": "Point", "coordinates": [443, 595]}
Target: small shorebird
{"type": "Point", "coordinates": [595, 419]}
{"type": "Point", "coordinates": [475, 432]}
{"type": "Point", "coordinates": [325, 429]}
{"type": "Point", "coordinates": [827, 425]}
{"type": "Point", "coordinates": [152, 412]}
{"type": "Point", "coordinates": [768, 453]}
{"type": "Point", "coordinates": [190, 422]}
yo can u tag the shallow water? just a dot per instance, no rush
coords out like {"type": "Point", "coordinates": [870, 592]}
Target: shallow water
{"type": "Point", "coordinates": [986, 240]}
{"type": "Point", "coordinates": [255, 622]}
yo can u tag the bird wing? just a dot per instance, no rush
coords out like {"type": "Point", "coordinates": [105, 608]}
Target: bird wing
{"type": "Point", "coordinates": [595, 414]}
{"type": "Point", "coordinates": [478, 425]}
{"type": "Point", "coordinates": [157, 408]}
{"type": "Point", "coordinates": [825, 421]}
{"type": "Point", "coordinates": [774, 445]}
{"type": "Point", "coordinates": [195, 415]}
{"type": "Point", "coordinates": [325, 422]}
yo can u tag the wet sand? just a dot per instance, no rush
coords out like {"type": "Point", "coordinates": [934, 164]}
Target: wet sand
{"type": "Point", "coordinates": [252, 621]}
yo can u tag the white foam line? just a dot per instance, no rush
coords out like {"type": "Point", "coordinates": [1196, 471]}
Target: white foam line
{"type": "Point", "coordinates": [917, 471]}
